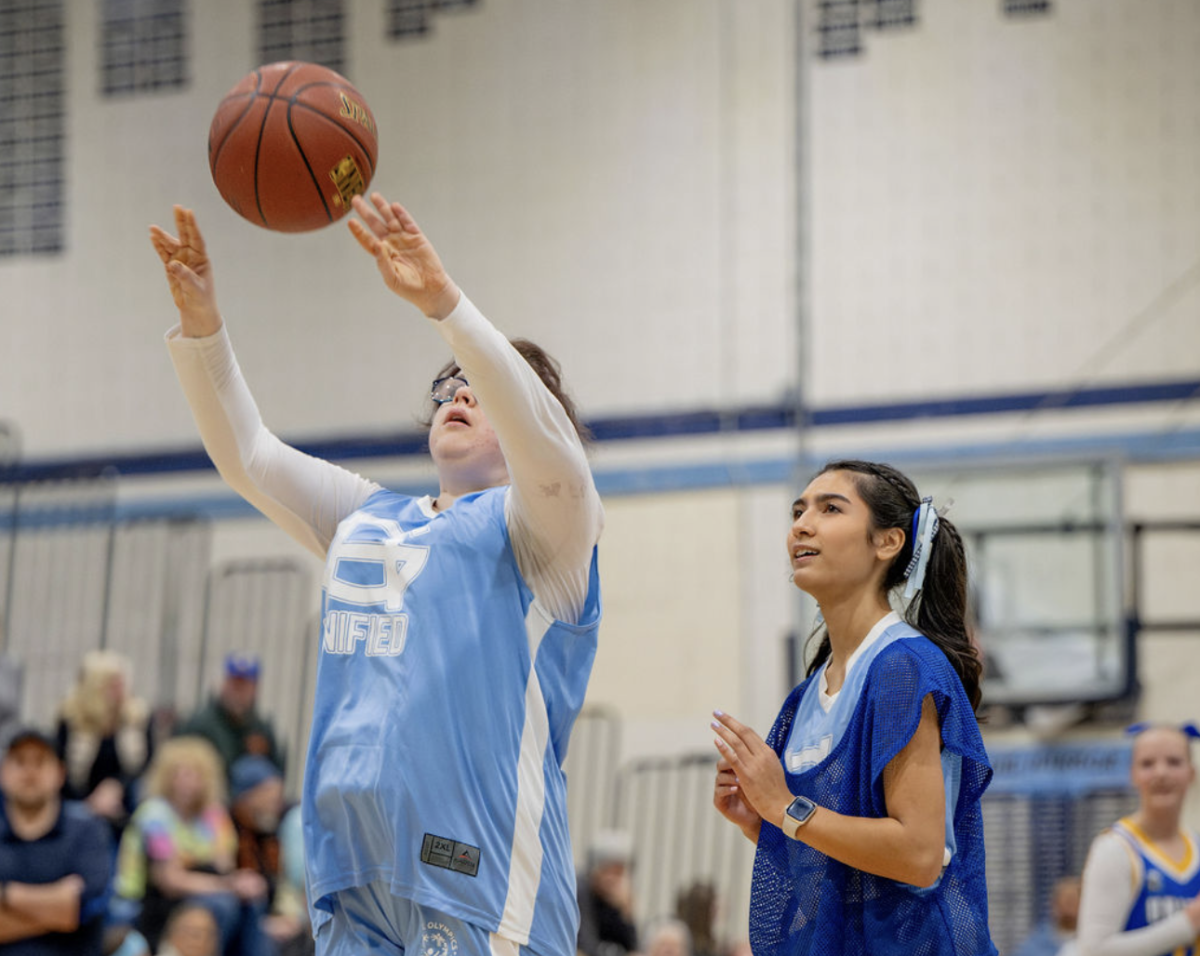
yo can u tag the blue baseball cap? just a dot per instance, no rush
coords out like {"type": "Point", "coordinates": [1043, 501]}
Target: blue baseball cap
{"type": "Point", "coordinates": [248, 772]}
{"type": "Point", "coordinates": [241, 665]}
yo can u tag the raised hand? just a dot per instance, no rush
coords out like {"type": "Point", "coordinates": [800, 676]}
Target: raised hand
{"type": "Point", "coordinates": [189, 274]}
{"type": "Point", "coordinates": [405, 257]}
{"type": "Point", "coordinates": [756, 767]}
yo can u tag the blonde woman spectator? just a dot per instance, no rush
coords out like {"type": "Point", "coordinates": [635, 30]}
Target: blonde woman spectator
{"type": "Point", "coordinates": [180, 846]}
{"type": "Point", "coordinates": [102, 737]}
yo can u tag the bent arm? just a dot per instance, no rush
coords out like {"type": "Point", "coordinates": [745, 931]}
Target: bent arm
{"type": "Point", "coordinates": [16, 926]}
{"type": "Point", "coordinates": [1108, 895]}
{"type": "Point", "coordinates": [305, 496]}
{"type": "Point", "coordinates": [908, 845]}
{"type": "Point", "coordinates": [33, 909]}
{"type": "Point", "coordinates": [174, 881]}
{"type": "Point", "coordinates": [554, 511]}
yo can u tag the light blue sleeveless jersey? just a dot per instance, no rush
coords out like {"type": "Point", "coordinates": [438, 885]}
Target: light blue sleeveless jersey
{"type": "Point", "coordinates": [1165, 886]}
{"type": "Point", "coordinates": [445, 699]}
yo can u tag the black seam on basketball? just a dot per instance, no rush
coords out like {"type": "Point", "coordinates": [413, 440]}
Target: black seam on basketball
{"type": "Point", "coordinates": [349, 132]}
{"type": "Point", "coordinates": [261, 129]}
{"type": "Point", "coordinates": [252, 94]}
{"type": "Point", "coordinates": [212, 163]}
{"type": "Point", "coordinates": [339, 126]}
{"type": "Point", "coordinates": [291, 98]}
{"type": "Point", "coordinates": [307, 165]}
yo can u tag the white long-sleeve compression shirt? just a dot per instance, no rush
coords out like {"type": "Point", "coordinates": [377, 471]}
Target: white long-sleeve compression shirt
{"type": "Point", "coordinates": [553, 510]}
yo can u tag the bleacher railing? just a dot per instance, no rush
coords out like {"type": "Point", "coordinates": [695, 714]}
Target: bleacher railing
{"type": "Point", "coordinates": [74, 577]}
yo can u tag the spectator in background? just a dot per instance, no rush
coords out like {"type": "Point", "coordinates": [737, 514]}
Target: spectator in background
{"type": "Point", "coordinates": [669, 937]}
{"type": "Point", "coordinates": [230, 721]}
{"type": "Point", "coordinates": [180, 845]}
{"type": "Point", "coordinates": [191, 930]}
{"type": "Point", "coordinates": [696, 908]}
{"type": "Point", "coordinates": [103, 738]}
{"type": "Point", "coordinates": [1054, 932]}
{"type": "Point", "coordinates": [864, 798]}
{"type": "Point", "coordinates": [606, 923]}
{"type": "Point", "coordinates": [289, 892]}
{"type": "Point", "coordinates": [257, 806]}
{"type": "Point", "coordinates": [1141, 882]}
{"type": "Point", "coordinates": [54, 858]}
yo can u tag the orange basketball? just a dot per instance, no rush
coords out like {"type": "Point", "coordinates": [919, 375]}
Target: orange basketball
{"type": "Point", "coordinates": [291, 145]}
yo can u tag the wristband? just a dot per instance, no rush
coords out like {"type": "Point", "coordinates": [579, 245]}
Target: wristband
{"type": "Point", "coordinates": [3, 893]}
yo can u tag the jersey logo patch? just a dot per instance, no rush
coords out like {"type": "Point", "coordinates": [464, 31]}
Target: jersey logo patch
{"type": "Point", "coordinates": [800, 760]}
{"type": "Point", "coordinates": [450, 854]}
{"type": "Point", "coordinates": [438, 940]}
{"type": "Point", "coordinates": [371, 568]}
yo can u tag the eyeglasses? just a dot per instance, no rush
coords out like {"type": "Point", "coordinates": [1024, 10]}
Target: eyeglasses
{"type": "Point", "coordinates": [444, 389]}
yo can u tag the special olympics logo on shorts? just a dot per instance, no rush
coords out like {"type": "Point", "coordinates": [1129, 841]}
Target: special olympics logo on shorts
{"type": "Point", "coordinates": [439, 940]}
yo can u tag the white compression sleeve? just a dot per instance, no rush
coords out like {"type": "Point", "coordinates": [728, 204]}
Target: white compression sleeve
{"type": "Point", "coordinates": [554, 512]}
{"type": "Point", "coordinates": [1108, 894]}
{"type": "Point", "coordinates": [305, 496]}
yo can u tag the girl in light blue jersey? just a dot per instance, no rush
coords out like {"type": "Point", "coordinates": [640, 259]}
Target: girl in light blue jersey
{"type": "Point", "coordinates": [1141, 884]}
{"type": "Point", "coordinates": [864, 798]}
{"type": "Point", "coordinates": [458, 630]}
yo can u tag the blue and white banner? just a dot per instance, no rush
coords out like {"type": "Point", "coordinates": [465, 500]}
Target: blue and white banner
{"type": "Point", "coordinates": [1067, 769]}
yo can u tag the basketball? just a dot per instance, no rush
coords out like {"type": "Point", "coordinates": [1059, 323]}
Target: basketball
{"type": "Point", "coordinates": [290, 145]}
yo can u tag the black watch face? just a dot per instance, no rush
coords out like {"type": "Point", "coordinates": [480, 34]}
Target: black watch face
{"type": "Point", "coordinates": [801, 809]}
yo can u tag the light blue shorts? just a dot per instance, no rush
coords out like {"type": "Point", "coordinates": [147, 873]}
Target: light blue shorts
{"type": "Point", "coordinates": [369, 919]}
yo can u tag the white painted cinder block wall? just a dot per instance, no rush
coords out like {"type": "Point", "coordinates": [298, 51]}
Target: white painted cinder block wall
{"type": "Point", "coordinates": [989, 203]}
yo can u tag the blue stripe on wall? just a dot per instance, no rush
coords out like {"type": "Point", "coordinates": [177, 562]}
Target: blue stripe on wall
{"type": "Point", "coordinates": [663, 425]}
{"type": "Point", "coordinates": [695, 476]}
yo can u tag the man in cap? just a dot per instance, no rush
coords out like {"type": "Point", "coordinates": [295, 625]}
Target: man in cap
{"type": "Point", "coordinates": [258, 808]}
{"type": "Point", "coordinates": [55, 858]}
{"type": "Point", "coordinates": [230, 721]}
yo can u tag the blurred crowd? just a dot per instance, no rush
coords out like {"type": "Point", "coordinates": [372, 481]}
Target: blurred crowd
{"type": "Point", "coordinates": [131, 832]}
{"type": "Point", "coordinates": [608, 925]}
{"type": "Point", "coordinates": [136, 833]}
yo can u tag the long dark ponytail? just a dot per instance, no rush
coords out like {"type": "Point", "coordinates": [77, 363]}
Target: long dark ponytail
{"type": "Point", "coordinates": [940, 609]}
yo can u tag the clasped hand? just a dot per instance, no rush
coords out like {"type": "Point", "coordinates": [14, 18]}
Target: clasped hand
{"type": "Point", "coordinates": [750, 785]}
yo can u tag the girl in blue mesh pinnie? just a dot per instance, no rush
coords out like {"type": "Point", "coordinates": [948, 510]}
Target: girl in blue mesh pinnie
{"type": "Point", "coordinates": [864, 798]}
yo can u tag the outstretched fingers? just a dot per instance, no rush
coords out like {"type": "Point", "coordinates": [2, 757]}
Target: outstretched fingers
{"type": "Point", "coordinates": [377, 216]}
{"type": "Point", "coordinates": [164, 243]}
{"type": "Point", "coordinates": [365, 237]}
{"type": "Point", "coordinates": [731, 741]}
{"type": "Point", "coordinates": [189, 232]}
{"type": "Point", "coordinates": [385, 218]}
{"type": "Point", "coordinates": [394, 216]}
{"type": "Point", "coordinates": [386, 212]}
{"type": "Point", "coordinates": [405, 219]}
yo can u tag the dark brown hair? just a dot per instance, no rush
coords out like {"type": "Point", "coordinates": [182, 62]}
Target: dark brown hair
{"type": "Point", "coordinates": [940, 609]}
{"type": "Point", "coordinates": [548, 370]}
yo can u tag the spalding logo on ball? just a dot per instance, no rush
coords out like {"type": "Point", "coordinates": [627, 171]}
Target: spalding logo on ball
{"type": "Point", "coordinates": [291, 145]}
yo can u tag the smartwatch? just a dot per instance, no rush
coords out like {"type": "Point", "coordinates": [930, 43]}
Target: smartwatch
{"type": "Point", "coordinates": [798, 813]}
